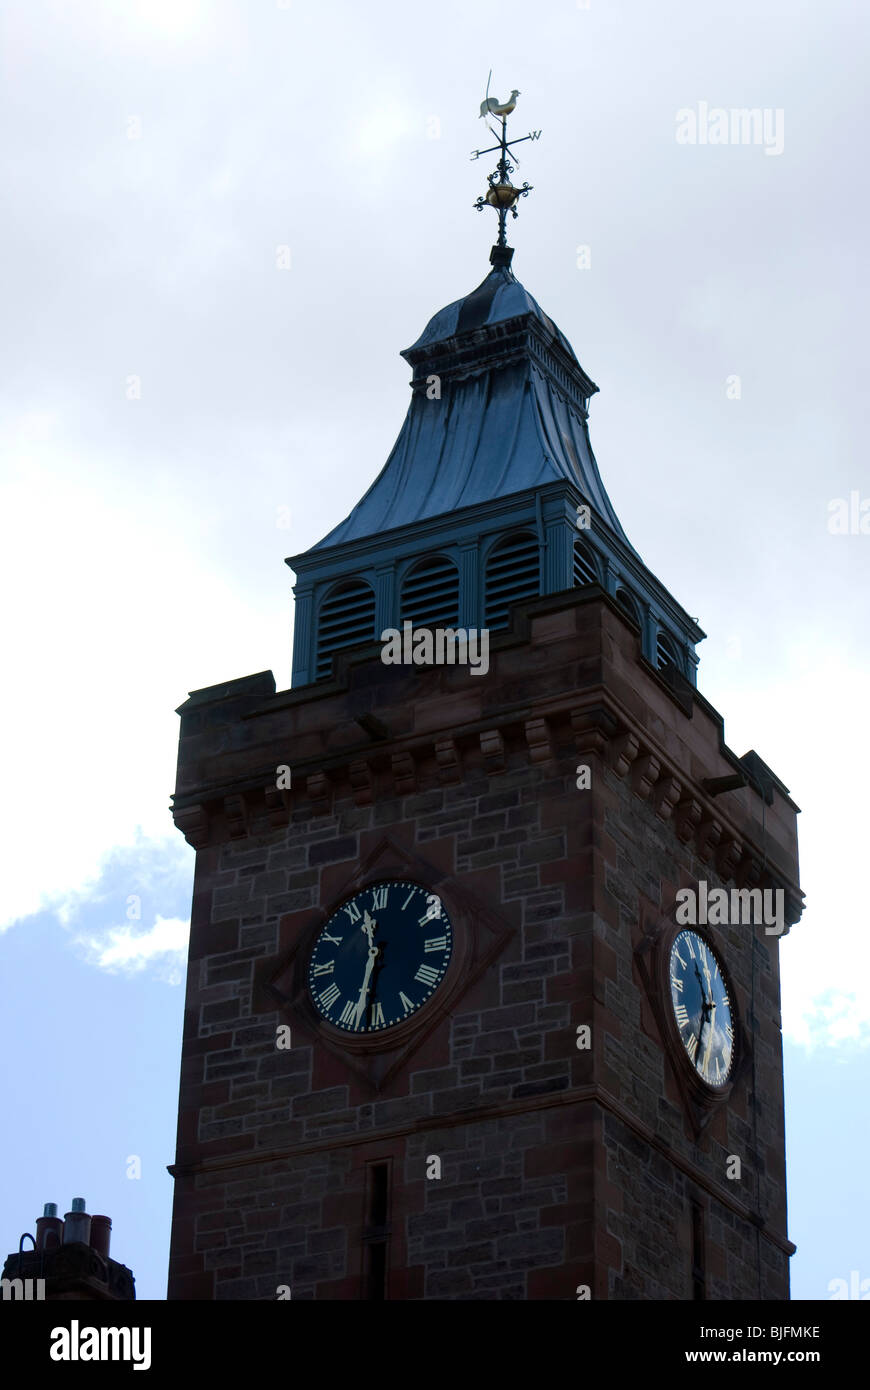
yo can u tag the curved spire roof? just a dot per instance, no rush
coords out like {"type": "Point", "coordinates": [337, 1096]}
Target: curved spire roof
{"type": "Point", "coordinates": [500, 296]}
{"type": "Point", "coordinates": [511, 415]}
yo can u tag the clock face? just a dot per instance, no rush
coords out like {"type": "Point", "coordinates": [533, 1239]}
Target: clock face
{"type": "Point", "coordinates": [702, 1009]}
{"type": "Point", "coordinates": [380, 957]}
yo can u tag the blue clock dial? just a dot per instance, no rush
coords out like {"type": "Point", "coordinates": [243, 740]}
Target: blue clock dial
{"type": "Point", "coordinates": [380, 957]}
{"type": "Point", "coordinates": [702, 1008]}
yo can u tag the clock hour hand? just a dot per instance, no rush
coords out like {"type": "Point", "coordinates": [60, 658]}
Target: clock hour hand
{"type": "Point", "coordinates": [701, 983]}
{"type": "Point", "coordinates": [707, 1007]}
{"type": "Point", "coordinates": [706, 1004]}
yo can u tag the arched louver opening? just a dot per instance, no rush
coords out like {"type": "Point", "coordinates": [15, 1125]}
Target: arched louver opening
{"type": "Point", "coordinates": [347, 618]}
{"type": "Point", "coordinates": [585, 568]}
{"type": "Point", "coordinates": [512, 573]}
{"type": "Point", "coordinates": [666, 653]}
{"type": "Point", "coordinates": [430, 594]}
{"type": "Point", "coordinates": [627, 603]}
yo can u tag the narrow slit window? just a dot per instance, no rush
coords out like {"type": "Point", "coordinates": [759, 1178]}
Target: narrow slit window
{"type": "Point", "coordinates": [376, 1234]}
{"type": "Point", "coordinates": [699, 1278]}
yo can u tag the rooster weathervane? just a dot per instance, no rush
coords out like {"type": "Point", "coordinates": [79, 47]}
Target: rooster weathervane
{"type": "Point", "coordinates": [502, 194]}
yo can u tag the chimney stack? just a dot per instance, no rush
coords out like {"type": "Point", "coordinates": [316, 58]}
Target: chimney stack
{"type": "Point", "coordinates": [70, 1260]}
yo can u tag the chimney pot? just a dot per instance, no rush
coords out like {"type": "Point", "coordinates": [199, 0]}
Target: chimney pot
{"type": "Point", "coordinates": [49, 1228]}
{"type": "Point", "coordinates": [77, 1224]}
{"type": "Point", "coordinates": [101, 1235]}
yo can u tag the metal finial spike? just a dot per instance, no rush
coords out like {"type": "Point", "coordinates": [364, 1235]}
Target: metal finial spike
{"type": "Point", "coordinates": [502, 194]}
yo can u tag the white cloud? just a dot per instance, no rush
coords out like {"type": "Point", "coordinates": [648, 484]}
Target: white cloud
{"type": "Point", "coordinates": [122, 950]}
{"type": "Point", "coordinates": [113, 613]}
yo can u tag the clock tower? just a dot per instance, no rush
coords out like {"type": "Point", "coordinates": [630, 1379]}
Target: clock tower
{"type": "Point", "coordinates": [483, 987]}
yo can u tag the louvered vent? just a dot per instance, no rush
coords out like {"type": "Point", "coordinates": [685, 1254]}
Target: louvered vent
{"type": "Point", "coordinates": [511, 574]}
{"type": "Point", "coordinates": [666, 656]}
{"type": "Point", "coordinates": [430, 594]}
{"type": "Point", "coordinates": [347, 618]}
{"type": "Point", "coordinates": [585, 570]}
{"type": "Point", "coordinates": [625, 601]}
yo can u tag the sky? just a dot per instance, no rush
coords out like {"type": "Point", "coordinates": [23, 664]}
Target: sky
{"type": "Point", "coordinates": [223, 221]}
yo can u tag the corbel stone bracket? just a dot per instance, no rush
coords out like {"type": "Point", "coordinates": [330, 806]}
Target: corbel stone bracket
{"type": "Point", "coordinates": [708, 835]}
{"type": "Point", "coordinates": [728, 855]}
{"type": "Point", "coordinates": [448, 759]}
{"type": "Point", "coordinates": [687, 817]}
{"type": "Point", "coordinates": [319, 791]}
{"type": "Point", "coordinates": [623, 751]}
{"type": "Point", "coordinates": [361, 781]}
{"type": "Point", "coordinates": [539, 741]}
{"type": "Point", "coordinates": [493, 749]}
{"type": "Point", "coordinates": [193, 822]}
{"type": "Point", "coordinates": [666, 795]}
{"type": "Point", "coordinates": [236, 813]}
{"type": "Point", "coordinates": [645, 774]}
{"type": "Point", "coordinates": [593, 729]}
{"type": "Point", "coordinates": [404, 773]}
{"type": "Point", "coordinates": [277, 807]}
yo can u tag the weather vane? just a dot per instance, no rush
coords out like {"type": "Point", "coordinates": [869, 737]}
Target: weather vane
{"type": "Point", "coordinates": [502, 195]}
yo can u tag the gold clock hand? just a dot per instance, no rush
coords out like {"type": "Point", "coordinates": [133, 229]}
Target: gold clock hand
{"type": "Point", "coordinates": [369, 927]}
{"type": "Point", "coordinates": [710, 1039]}
{"type": "Point", "coordinates": [361, 1000]}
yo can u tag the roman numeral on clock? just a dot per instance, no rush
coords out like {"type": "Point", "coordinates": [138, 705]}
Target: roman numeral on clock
{"type": "Point", "coordinates": [348, 1012]}
{"type": "Point", "coordinates": [682, 1014]}
{"type": "Point", "coordinates": [324, 969]}
{"type": "Point", "coordinates": [692, 1046]}
{"type": "Point", "coordinates": [677, 984]}
{"type": "Point", "coordinates": [379, 897]}
{"type": "Point", "coordinates": [336, 940]}
{"type": "Point", "coordinates": [352, 911]}
{"type": "Point", "coordinates": [426, 975]}
{"type": "Point", "coordinates": [407, 1004]}
{"type": "Point", "coordinates": [377, 1015]}
{"type": "Point", "coordinates": [329, 996]}
{"type": "Point", "coordinates": [435, 943]}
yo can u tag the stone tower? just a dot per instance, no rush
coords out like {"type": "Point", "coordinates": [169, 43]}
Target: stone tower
{"type": "Point", "coordinates": [559, 1079]}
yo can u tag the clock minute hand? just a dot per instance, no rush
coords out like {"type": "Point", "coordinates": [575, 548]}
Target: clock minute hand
{"type": "Point", "coordinates": [710, 1007]}
{"type": "Point", "coordinates": [369, 927]}
{"type": "Point", "coordinates": [709, 981]}
{"type": "Point", "coordinates": [361, 1001]}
